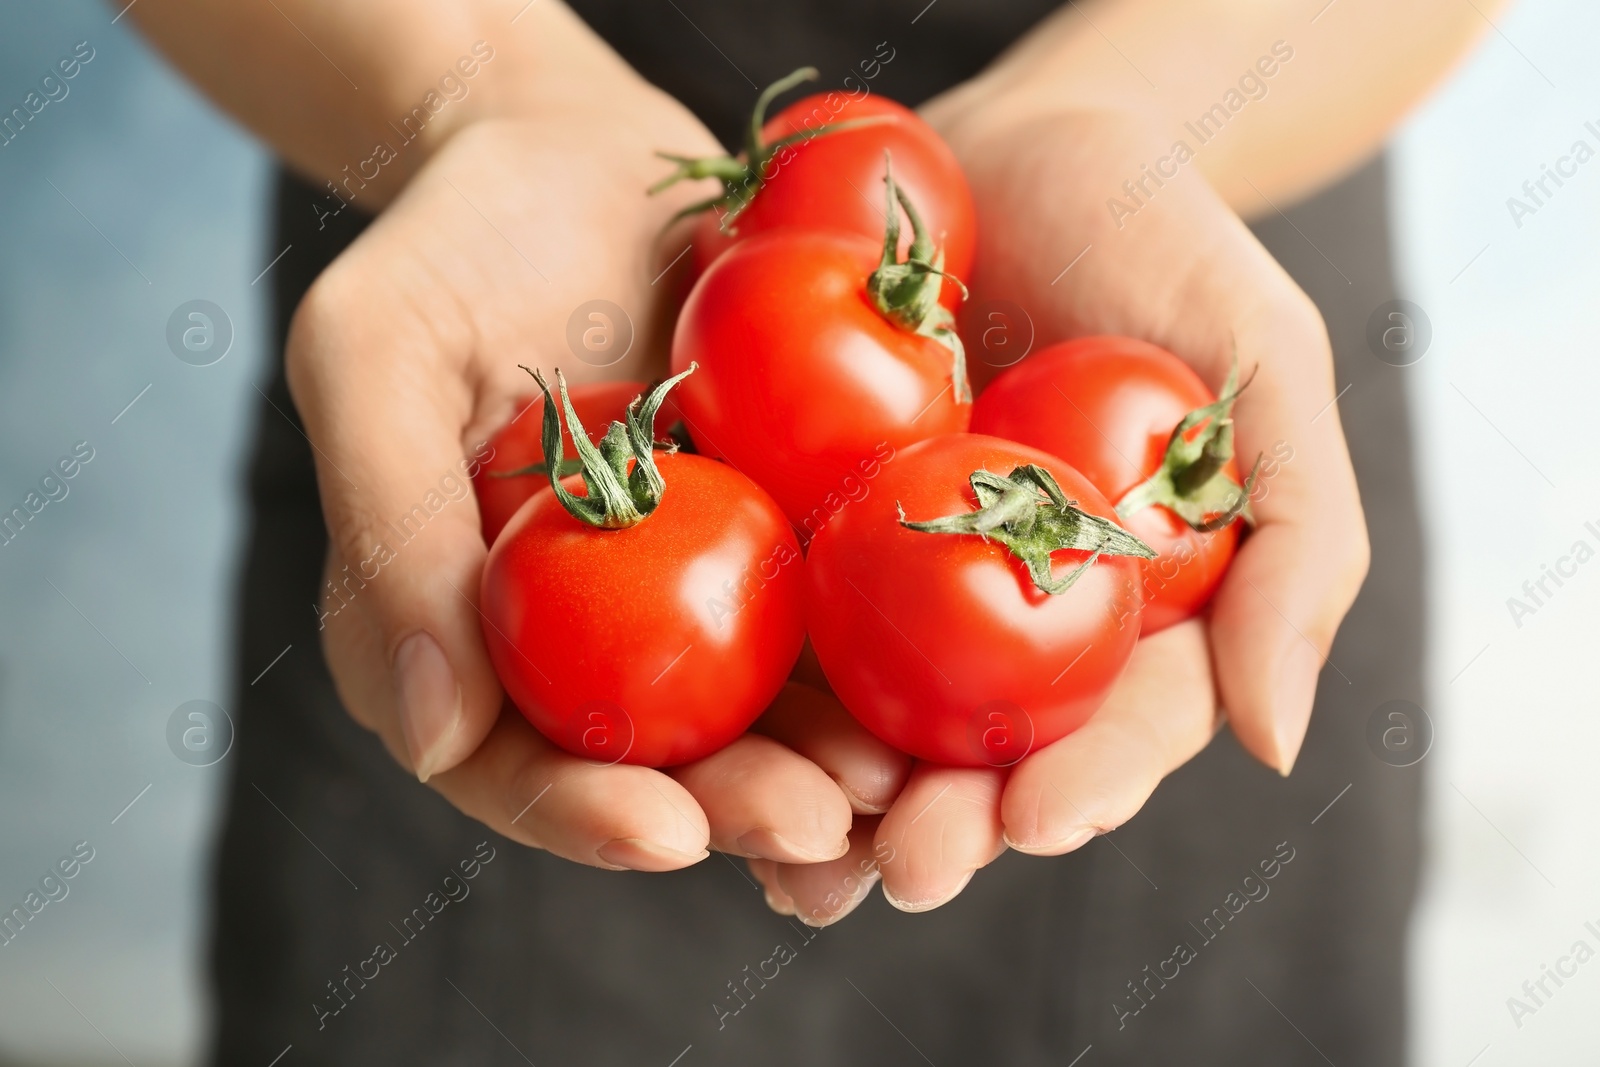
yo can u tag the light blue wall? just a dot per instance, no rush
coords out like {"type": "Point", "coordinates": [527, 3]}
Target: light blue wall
{"type": "Point", "coordinates": [145, 543]}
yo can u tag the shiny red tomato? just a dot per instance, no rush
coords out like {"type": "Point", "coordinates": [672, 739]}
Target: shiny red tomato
{"type": "Point", "coordinates": [1108, 406]}
{"type": "Point", "coordinates": [654, 643]}
{"type": "Point", "coordinates": [515, 447]}
{"type": "Point", "coordinates": [805, 383]}
{"type": "Point", "coordinates": [835, 180]}
{"type": "Point", "coordinates": [943, 644]}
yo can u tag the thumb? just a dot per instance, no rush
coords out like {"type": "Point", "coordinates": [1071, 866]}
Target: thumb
{"type": "Point", "coordinates": [1295, 577]}
{"type": "Point", "coordinates": [379, 377]}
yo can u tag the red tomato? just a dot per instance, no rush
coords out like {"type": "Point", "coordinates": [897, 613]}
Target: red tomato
{"type": "Point", "coordinates": [653, 644]}
{"type": "Point", "coordinates": [516, 447]}
{"type": "Point", "coordinates": [1108, 406]}
{"type": "Point", "coordinates": [804, 383]}
{"type": "Point", "coordinates": [833, 180]}
{"type": "Point", "coordinates": [941, 644]}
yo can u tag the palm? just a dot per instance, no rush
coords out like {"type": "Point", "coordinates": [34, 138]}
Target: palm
{"type": "Point", "coordinates": [1185, 273]}
{"type": "Point", "coordinates": [402, 359]}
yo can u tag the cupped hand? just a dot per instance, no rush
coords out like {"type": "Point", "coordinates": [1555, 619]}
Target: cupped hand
{"type": "Point", "coordinates": [1183, 272]}
{"type": "Point", "coordinates": [402, 360]}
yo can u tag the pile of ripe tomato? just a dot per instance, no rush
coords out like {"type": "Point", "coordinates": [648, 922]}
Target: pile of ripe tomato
{"type": "Point", "coordinates": [971, 574]}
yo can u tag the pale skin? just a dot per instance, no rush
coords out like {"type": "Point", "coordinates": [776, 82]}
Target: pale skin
{"type": "Point", "coordinates": [524, 199]}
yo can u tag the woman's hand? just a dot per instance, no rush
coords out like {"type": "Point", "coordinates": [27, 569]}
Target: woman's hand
{"type": "Point", "coordinates": [402, 359]}
{"type": "Point", "coordinates": [1185, 273]}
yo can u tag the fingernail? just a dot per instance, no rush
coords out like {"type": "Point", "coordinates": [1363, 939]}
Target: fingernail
{"type": "Point", "coordinates": [1297, 689]}
{"type": "Point", "coordinates": [1076, 839]}
{"type": "Point", "coordinates": [429, 698]}
{"type": "Point", "coordinates": [770, 845]}
{"type": "Point", "coordinates": [820, 918]}
{"type": "Point", "coordinates": [858, 803]}
{"type": "Point", "coordinates": [782, 907]}
{"type": "Point", "coordinates": [927, 905]}
{"type": "Point", "coordinates": [637, 854]}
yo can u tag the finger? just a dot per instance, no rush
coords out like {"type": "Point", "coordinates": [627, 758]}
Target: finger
{"type": "Point", "coordinates": [1295, 576]}
{"type": "Point", "coordinates": [526, 788]}
{"type": "Point", "coordinates": [814, 724]}
{"type": "Point", "coordinates": [1161, 713]}
{"type": "Point", "coordinates": [766, 872]}
{"type": "Point", "coordinates": [764, 800]}
{"type": "Point", "coordinates": [384, 399]}
{"type": "Point", "coordinates": [944, 826]}
{"type": "Point", "coordinates": [616, 816]}
{"type": "Point", "coordinates": [1187, 274]}
{"type": "Point", "coordinates": [824, 893]}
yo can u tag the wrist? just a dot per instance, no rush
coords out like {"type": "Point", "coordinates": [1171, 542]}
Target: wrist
{"type": "Point", "coordinates": [547, 69]}
{"type": "Point", "coordinates": [996, 131]}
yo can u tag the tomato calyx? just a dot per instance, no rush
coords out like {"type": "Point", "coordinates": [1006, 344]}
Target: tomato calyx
{"type": "Point", "coordinates": [617, 498]}
{"type": "Point", "coordinates": [907, 293]}
{"type": "Point", "coordinates": [1029, 514]}
{"type": "Point", "coordinates": [742, 176]}
{"type": "Point", "coordinates": [677, 440]}
{"type": "Point", "coordinates": [1192, 481]}
{"type": "Point", "coordinates": [568, 466]}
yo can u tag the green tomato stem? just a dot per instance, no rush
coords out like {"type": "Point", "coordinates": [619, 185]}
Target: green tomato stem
{"type": "Point", "coordinates": [617, 497]}
{"type": "Point", "coordinates": [1192, 481]}
{"type": "Point", "coordinates": [907, 293]}
{"type": "Point", "coordinates": [1029, 514]}
{"type": "Point", "coordinates": [743, 176]}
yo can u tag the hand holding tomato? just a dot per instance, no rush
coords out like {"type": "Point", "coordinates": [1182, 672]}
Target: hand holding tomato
{"type": "Point", "coordinates": [1185, 274]}
{"type": "Point", "coordinates": [652, 618]}
{"type": "Point", "coordinates": [402, 359]}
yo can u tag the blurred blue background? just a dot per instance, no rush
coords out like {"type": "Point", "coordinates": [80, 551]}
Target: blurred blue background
{"type": "Point", "coordinates": [141, 552]}
{"type": "Point", "coordinates": [131, 197]}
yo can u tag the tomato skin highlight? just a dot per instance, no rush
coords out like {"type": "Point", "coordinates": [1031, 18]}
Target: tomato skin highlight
{"type": "Point", "coordinates": [518, 444]}
{"type": "Point", "coordinates": [836, 181]}
{"type": "Point", "coordinates": [923, 636]}
{"type": "Point", "coordinates": [677, 632]}
{"type": "Point", "coordinates": [801, 379]}
{"type": "Point", "coordinates": [1108, 406]}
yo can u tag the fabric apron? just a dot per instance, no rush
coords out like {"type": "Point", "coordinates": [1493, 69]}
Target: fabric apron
{"type": "Point", "coordinates": [1147, 946]}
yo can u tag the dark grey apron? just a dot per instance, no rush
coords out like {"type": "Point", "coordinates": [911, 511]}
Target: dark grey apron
{"type": "Point", "coordinates": [535, 960]}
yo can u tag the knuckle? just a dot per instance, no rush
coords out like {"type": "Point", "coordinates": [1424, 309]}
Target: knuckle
{"type": "Point", "coordinates": [310, 325]}
{"type": "Point", "coordinates": [1357, 559]}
